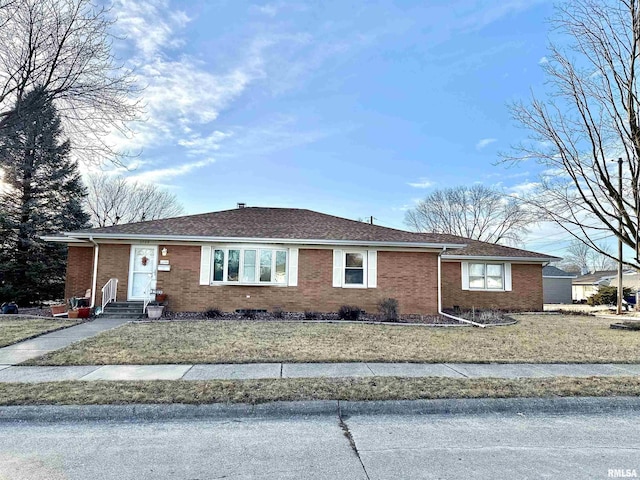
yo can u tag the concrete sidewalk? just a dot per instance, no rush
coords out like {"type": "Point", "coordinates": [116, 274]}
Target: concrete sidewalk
{"type": "Point", "coordinates": [36, 347]}
{"type": "Point", "coordinates": [310, 370]}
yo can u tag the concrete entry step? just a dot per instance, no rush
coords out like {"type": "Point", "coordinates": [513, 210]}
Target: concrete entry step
{"type": "Point", "coordinates": [129, 310]}
{"type": "Point", "coordinates": [124, 304]}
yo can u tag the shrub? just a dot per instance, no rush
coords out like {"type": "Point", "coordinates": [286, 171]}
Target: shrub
{"type": "Point", "coordinates": [632, 325]}
{"type": "Point", "coordinates": [607, 295]}
{"type": "Point", "coordinates": [251, 314]}
{"type": "Point", "coordinates": [349, 312]}
{"type": "Point", "coordinates": [388, 309]}
{"type": "Point", "coordinates": [277, 312]}
{"type": "Point", "coordinates": [213, 312]}
{"type": "Point", "coordinates": [311, 315]}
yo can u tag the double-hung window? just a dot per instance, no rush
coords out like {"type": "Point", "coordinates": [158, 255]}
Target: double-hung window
{"type": "Point", "coordinates": [255, 266]}
{"type": "Point", "coordinates": [355, 268]}
{"type": "Point", "coordinates": [354, 264]}
{"type": "Point", "coordinates": [486, 276]}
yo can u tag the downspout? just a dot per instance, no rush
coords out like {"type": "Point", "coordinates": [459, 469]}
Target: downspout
{"type": "Point", "coordinates": [96, 250]}
{"type": "Point", "coordinates": [463, 320]}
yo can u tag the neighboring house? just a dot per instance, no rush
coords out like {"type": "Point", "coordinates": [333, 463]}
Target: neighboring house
{"type": "Point", "coordinates": [630, 279]}
{"type": "Point", "coordinates": [556, 285]}
{"type": "Point", "coordinates": [297, 260]}
{"type": "Point", "coordinates": [586, 285]}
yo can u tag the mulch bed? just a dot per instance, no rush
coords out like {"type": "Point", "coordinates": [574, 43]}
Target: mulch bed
{"type": "Point", "coordinates": [34, 312]}
{"type": "Point", "coordinates": [495, 318]}
{"type": "Point", "coordinates": [333, 317]}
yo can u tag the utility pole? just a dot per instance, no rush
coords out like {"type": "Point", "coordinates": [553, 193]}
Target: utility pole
{"type": "Point", "coordinates": [371, 219]}
{"type": "Point", "coordinates": [619, 303]}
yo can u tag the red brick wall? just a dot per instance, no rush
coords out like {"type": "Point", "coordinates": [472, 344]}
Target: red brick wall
{"type": "Point", "coordinates": [526, 294]}
{"type": "Point", "coordinates": [407, 276]}
{"type": "Point", "coordinates": [113, 262]}
{"type": "Point", "coordinates": [79, 271]}
{"type": "Point", "coordinates": [410, 277]}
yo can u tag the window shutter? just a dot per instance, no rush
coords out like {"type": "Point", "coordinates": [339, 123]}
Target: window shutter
{"type": "Point", "coordinates": [292, 267]}
{"type": "Point", "coordinates": [337, 268]}
{"type": "Point", "coordinates": [372, 269]}
{"type": "Point", "coordinates": [205, 265]}
{"type": "Point", "coordinates": [507, 277]}
{"type": "Point", "coordinates": [465, 275]}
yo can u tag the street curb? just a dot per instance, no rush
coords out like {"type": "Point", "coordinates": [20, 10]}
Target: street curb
{"type": "Point", "coordinates": [478, 406]}
{"type": "Point", "coordinates": [161, 412]}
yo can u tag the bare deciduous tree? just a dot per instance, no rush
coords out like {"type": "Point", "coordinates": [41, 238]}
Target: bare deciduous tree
{"type": "Point", "coordinates": [477, 212]}
{"type": "Point", "coordinates": [587, 259]}
{"type": "Point", "coordinates": [113, 200]}
{"type": "Point", "coordinates": [64, 47]}
{"type": "Point", "coordinates": [590, 116]}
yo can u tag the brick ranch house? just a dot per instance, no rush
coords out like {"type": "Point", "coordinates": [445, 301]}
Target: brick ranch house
{"type": "Point", "coordinates": [297, 260]}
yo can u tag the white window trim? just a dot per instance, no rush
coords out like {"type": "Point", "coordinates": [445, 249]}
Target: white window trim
{"type": "Point", "coordinates": [506, 276]}
{"type": "Point", "coordinates": [225, 272]}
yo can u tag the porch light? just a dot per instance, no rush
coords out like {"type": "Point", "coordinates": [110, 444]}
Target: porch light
{"type": "Point", "coordinates": [164, 252]}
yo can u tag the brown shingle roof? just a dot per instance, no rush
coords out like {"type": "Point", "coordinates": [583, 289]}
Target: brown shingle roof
{"type": "Point", "coordinates": [268, 223]}
{"type": "Point", "coordinates": [476, 248]}
{"type": "Point", "coordinates": [595, 277]}
{"type": "Point", "coordinates": [295, 224]}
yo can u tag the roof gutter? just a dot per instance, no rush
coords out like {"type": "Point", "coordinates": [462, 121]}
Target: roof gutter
{"type": "Point", "coordinates": [96, 251]}
{"type": "Point", "coordinates": [498, 257]}
{"type": "Point", "coordinates": [61, 239]}
{"type": "Point", "coordinates": [463, 320]}
{"type": "Point", "coordinates": [312, 241]}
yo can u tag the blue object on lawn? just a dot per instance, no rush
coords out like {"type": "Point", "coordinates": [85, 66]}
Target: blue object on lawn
{"type": "Point", "coordinates": [9, 308]}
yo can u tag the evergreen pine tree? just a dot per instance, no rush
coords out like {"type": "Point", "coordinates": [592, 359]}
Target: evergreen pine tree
{"type": "Point", "coordinates": [43, 194]}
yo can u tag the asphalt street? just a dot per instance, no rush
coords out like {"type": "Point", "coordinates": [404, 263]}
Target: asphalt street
{"type": "Point", "coordinates": [508, 445]}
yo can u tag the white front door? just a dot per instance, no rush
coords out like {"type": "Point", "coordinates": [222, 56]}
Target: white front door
{"type": "Point", "coordinates": [142, 271]}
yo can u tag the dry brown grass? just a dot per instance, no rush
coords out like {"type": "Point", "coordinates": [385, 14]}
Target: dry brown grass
{"type": "Point", "coordinates": [260, 391]}
{"type": "Point", "coordinates": [536, 338]}
{"type": "Point", "coordinates": [14, 329]}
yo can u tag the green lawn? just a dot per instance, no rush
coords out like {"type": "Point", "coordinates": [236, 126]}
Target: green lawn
{"type": "Point", "coordinates": [15, 329]}
{"type": "Point", "coordinates": [536, 338]}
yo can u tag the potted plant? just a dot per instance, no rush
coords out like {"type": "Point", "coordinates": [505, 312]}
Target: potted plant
{"type": "Point", "coordinates": [84, 312]}
{"type": "Point", "coordinates": [60, 309]}
{"type": "Point", "coordinates": [161, 297]}
{"type": "Point", "coordinates": [154, 311]}
{"type": "Point", "coordinates": [73, 308]}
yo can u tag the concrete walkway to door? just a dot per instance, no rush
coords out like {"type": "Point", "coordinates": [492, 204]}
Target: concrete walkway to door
{"type": "Point", "coordinates": [36, 347]}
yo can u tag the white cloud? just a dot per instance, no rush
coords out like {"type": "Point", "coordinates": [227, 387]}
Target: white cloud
{"type": "Point", "coordinates": [507, 176]}
{"type": "Point", "coordinates": [421, 183]}
{"type": "Point", "coordinates": [523, 188]}
{"type": "Point", "coordinates": [199, 145]}
{"type": "Point", "coordinates": [543, 61]}
{"type": "Point", "coordinates": [162, 175]}
{"type": "Point", "coordinates": [276, 133]}
{"type": "Point", "coordinates": [273, 8]}
{"type": "Point", "coordinates": [181, 93]}
{"type": "Point", "coordinates": [485, 142]}
{"type": "Point", "coordinates": [150, 25]}
{"type": "Point", "coordinates": [481, 14]}
{"type": "Point", "coordinates": [268, 9]}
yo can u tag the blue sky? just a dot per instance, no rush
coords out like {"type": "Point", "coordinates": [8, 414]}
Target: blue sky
{"type": "Point", "coordinates": [349, 108]}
